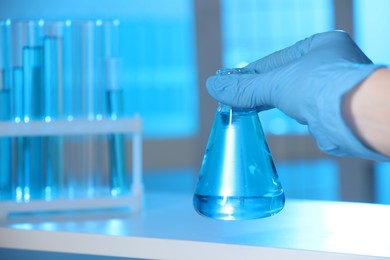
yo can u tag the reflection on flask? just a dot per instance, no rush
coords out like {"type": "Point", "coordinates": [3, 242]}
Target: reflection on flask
{"type": "Point", "coordinates": [238, 179]}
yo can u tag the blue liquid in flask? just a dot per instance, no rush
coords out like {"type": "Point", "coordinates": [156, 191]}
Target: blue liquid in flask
{"type": "Point", "coordinates": [238, 179]}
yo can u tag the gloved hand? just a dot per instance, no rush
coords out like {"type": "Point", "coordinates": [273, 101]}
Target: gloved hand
{"type": "Point", "coordinates": [307, 82]}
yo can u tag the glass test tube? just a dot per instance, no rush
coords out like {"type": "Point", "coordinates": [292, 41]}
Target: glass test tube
{"type": "Point", "coordinates": [103, 32]}
{"type": "Point", "coordinates": [6, 182]}
{"type": "Point", "coordinates": [119, 184]}
{"type": "Point", "coordinates": [18, 41]}
{"type": "Point", "coordinates": [32, 180]}
{"type": "Point", "coordinates": [71, 69]}
{"type": "Point", "coordinates": [5, 147]}
{"type": "Point", "coordinates": [5, 53]}
{"type": "Point", "coordinates": [75, 181]}
{"type": "Point", "coordinates": [116, 142]}
{"type": "Point", "coordinates": [91, 168]}
{"type": "Point", "coordinates": [71, 104]}
{"type": "Point", "coordinates": [53, 107]}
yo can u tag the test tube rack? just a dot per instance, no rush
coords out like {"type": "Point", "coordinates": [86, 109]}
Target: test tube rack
{"type": "Point", "coordinates": [131, 125]}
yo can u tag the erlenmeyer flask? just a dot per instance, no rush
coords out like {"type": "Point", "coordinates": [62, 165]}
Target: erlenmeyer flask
{"type": "Point", "coordinates": [238, 179]}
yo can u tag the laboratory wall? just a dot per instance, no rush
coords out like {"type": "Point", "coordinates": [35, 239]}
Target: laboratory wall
{"type": "Point", "coordinates": [157, 45]}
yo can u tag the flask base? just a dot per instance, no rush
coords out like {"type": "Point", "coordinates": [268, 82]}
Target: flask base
{"type": "Point", "coordinates": [238, 208]}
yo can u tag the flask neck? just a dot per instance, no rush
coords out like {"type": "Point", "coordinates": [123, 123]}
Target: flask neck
{"type": "Point", "coordinates": [226, 109]}
{"type": "Point", "coordinates": [223, 108]}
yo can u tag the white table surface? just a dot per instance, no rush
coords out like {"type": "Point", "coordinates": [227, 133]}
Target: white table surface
{"type": "Point", "coordinates": [169, 228]}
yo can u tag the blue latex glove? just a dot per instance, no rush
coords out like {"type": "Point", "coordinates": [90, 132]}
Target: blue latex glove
{"type": "Point", "coordinates": [306, 81]}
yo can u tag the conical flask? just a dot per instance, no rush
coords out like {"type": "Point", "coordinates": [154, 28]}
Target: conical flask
{"type": "Point", "coordinates": [238, 179]}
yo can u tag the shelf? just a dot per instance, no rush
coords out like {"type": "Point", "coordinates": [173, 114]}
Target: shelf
{"type": "Point", "coordinates": [131, 126]}
{"type": "Point", "coordinates": [71, 127]}
{"type": "Point", "coordinates": [169, 228]}
{"type": "Point", "coordinates": [131, 202]}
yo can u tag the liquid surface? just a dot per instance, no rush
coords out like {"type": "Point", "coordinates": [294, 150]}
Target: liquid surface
{"type": "Point", "coordinates": [238, 208]}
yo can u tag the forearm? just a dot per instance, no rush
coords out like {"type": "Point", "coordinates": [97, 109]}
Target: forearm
{"type": "Point", "coordinates": [366, 110]}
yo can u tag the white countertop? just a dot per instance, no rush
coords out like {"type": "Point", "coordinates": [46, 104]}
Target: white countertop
{"type": "Point", "coordinates": [169, 228]}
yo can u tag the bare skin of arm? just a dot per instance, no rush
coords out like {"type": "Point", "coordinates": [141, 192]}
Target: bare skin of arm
{"type": "Point", "coordinates": [366, 110]}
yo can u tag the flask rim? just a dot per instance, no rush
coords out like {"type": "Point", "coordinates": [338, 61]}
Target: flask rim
{"type": "Point", "coordinates": [224, 108]}
{"type": "Point", "coordinates": [227, 109]}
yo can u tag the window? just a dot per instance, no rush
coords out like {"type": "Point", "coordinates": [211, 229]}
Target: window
{"type": "Point", "coordinates": [161, 77]}
{"type": "Point", "coordinates": [253, 29]}
{"type": "Point", "coordinates": [371, 29]}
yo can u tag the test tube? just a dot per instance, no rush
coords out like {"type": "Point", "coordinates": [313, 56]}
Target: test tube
{"type": "Point", "coordinates": [71, 102]}
{"type": "Point", "coordinates": [5, 52]}
{"type": "Point", "coordinates": [33, 110]}
{"type": "Point", "coordinates": [113, 89]}
{"type": "Point", "coordinates": [116, 142]}
{"type": "Point", "coordinates": [92, 146]}
{"type": "Point", "coordinates": [74, 180]}
{"type": "Point", "coordinates": [18, 41]}
{"type": "Point", "coordinates": [5, 113]}
{"type": "Point", "coordinates": [71, 65]}
{"type": "Point", "coordinates": [88, 66]}
{"type": "Point", "coordinates": [5, 147]}
{"type": "Point", "coordinates": [102, 28]}
{"type": "Point", "coordinates": [53, 107]}
{"type": "Point", "coordinates": [99, 52]}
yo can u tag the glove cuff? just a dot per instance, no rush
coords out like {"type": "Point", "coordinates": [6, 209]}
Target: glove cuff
{"type": "Point", "coordinates": [329, 127]}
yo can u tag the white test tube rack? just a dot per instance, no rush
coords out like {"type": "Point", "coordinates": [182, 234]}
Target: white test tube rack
{"type": "Point", "coordinates": [132, 125]}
